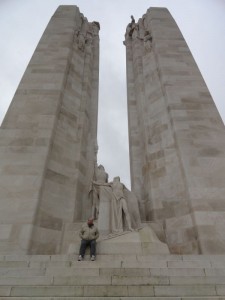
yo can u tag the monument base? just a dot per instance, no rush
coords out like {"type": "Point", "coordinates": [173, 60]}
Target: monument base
{"type": "Point", "coordinates": [143, 241]}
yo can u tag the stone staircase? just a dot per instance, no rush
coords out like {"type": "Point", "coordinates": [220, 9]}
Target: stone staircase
{"type": "Point", "coordinates": [112, 277]}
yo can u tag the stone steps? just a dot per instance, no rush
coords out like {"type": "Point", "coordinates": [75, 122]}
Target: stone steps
{"type": "Point", "coordinates": [113, 298]}
{"type": "Point", "coordinates": [112, 277]}
{"type": "Point", "coordinates": [110, 290]}
{"type": "Point", "coordinates": [110, 280]}
{"type": "Point", "coordinates": [114, 291]}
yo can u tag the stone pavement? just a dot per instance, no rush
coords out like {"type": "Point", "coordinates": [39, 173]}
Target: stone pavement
{"type": "Point", "coordinates": [112, 277]}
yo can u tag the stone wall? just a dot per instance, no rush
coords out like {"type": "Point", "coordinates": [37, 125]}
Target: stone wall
{"type": "Point", "coordinates": [48, 137]}
{"type": "Point", "coordinates": [176, 136]}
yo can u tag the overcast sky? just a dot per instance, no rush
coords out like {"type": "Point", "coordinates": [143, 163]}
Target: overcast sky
{"type": "Point", "coordinates": [202, 23]}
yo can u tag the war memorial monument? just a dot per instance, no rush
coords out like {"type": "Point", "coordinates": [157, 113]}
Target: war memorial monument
{"type": "Point", "coordinates": [164, 238]}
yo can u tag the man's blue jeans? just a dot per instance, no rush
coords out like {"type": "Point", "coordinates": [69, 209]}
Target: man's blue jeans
{"type": "Point", "coordinates": [84, 244]}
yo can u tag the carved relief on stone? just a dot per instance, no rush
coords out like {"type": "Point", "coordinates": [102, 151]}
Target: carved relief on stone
{"type": "Point", "coordinates": [119, 205]}
{"type": "Point", "coordinates": [148, 41]}
{"type": "Point", "coordinates": [135, 32]}
{"type": "Point", "coordinates": [88, 44]}
{"type": "Point", "coordinates": [130, 27]}
{"type": "Point", "coordinates": [81, 41]}
{"type": "Point", "coordinates": [139, 31]}
{"type": "Point", "coordinates": [95, 27]}
{"type": "Point", "coordinates": [86, 35]}
{"type": "Point", "coordinates": [99, 179]}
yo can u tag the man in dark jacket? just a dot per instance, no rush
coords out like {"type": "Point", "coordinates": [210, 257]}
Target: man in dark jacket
{"type": "Point", "coordinates": [88, 234]}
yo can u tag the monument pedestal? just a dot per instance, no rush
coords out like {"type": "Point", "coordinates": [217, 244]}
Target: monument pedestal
{"type": "Point", "coordinates": [141, 242]}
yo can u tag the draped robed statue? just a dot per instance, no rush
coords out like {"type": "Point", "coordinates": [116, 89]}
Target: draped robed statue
{"type": "Point", "coordinates": [122, 205]}
{"type": "Point", "coordinates": [100, 178]}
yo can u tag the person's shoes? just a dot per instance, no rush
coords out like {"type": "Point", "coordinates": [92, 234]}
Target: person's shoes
{"type": "Point", "coordinates": [80, 258]}
{"type": "Point", "coordinates": [92, 258]}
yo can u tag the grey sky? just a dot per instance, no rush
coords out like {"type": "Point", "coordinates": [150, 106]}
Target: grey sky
{"type": "Point", "coordinates": [202, 23]}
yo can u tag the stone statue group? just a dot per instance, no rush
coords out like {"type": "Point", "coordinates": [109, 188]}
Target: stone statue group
{"type": "Point", "coordinates": [115, 201]}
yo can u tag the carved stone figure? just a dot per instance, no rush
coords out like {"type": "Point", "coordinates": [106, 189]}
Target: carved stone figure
{"type": "Point", "coordinates": [81, 41]}
{"type": "Point", "coordinates": [131, 27]}
{"type": "Point", "coordinates": [141, 29]}
{"type": "Point", "coordinates": [100, 178]}
{"type": "Point", "coordinates": [135, 31]}
{"type": "Point", "coordinates": [119, 209]}
{"type": "Point", "coordinates": [95, 27]}
{"type": "Point", "coordinates": [86, 33]}
{"type": "Point", "coordinates": [148, 42]}
{"type": "Point", "coordinates": [88, 44]}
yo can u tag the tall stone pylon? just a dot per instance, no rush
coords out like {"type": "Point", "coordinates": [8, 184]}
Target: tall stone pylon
{"type": "Point", "coordinates": [48, 136]}
{"type": "Point", "coordinates": [176, 137]}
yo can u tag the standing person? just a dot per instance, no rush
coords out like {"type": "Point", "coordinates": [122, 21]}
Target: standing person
{"type": "Point", "coordinates": [88, 234]}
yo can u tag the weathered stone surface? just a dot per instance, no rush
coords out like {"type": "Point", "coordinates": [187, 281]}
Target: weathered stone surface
{"type": "Point", "coordinates": [142, 241]}
{"type": "Point", "coordinates": [64, 278]}
{"type": "Point", "coordinates": [176, 137]}
{"type": "Point", "coordinates": [47, 138]}
{"type": "Point", "coordinates": [193, 290]}
{"type": "Point", "coordinates": [46, 150]}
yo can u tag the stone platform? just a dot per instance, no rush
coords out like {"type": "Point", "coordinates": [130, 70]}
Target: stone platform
{"type": "Point", "coordinates": [112, 277]}
{"type": "Point", "coordinates": [142, 241]}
